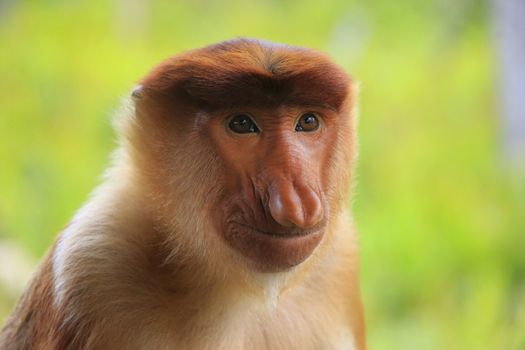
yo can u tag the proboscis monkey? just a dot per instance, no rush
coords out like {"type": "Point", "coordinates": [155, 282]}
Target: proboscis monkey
{"type": "Point", "coordinates": [223, 222]}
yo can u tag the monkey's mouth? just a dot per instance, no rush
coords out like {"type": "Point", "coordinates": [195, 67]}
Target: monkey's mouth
{"type": "Point", "coordinates": [274, 248]}
{"type": "Point", "coordinates": [284, 232]}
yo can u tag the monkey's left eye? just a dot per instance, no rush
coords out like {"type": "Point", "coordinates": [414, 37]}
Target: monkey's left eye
{"type": "Point", "coordinates": [307, 122]}
{"type": "Point", "coordinates": [242, 124]}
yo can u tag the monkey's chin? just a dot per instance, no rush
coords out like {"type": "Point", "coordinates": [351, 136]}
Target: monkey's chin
{"type": "Point", "coordinates": [273, 252]}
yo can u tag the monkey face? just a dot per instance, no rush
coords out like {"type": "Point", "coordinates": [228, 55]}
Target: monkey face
{"type": "Point", "coordinates": [273, 208]}
{"type": "Point", "coordinates": [251, 138]}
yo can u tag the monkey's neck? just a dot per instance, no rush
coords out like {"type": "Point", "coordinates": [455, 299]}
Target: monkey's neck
{"type": "Point", "coordinates": [171, 276]}
{"type": "Point", "coordinates": [134, 276]}
{"type": "Point", "coordinates": [195, 283]}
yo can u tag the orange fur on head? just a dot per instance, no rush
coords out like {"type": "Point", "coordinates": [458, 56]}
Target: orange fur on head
{"type": "Point", "coordinates": [222, 223]}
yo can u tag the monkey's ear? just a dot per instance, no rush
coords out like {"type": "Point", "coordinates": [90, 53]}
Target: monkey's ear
{"type": "Point", "coordinates": [137, 92]}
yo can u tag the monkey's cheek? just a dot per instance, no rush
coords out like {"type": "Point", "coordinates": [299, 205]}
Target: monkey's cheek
{"type": "Point", "coordinates": [273, 254]}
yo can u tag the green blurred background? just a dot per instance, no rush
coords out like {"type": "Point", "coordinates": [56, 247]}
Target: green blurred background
{"type": "Point", "coordinates": [439, 207]}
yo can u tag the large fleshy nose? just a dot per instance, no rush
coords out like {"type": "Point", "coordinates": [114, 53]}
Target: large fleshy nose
{"type": "Point", "coordinates": [292, 204]}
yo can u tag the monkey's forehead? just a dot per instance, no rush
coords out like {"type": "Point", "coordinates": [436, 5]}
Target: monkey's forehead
{"type": "Point", "coordinates": [250, 72]}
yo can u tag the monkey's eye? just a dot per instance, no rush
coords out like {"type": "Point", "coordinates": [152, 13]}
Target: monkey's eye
{"type": "Point", "coordinates": [307, 122]}
{"type": "Point", "coordinates": [242, 124]}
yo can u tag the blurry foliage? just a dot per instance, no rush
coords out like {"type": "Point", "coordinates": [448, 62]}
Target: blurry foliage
{"type": "Point", "coordinates": [441, 219]}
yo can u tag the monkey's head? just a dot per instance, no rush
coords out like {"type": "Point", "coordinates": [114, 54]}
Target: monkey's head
{"type": "Point", "coordinates": [245, 144]}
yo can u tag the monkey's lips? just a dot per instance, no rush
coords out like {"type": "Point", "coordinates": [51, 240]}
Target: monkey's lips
{"type": "Point", "coordinates": [276, 248]}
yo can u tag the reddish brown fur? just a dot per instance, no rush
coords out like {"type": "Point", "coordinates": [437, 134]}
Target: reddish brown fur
{"type": "Point", "coordinates": [37, 324]}
{"type": "Point", "coordinates": [247, 73]}
{"type": "Point", "coordinates": [171, 252]}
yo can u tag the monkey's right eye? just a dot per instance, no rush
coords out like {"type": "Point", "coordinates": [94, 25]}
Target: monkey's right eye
{"type": "Point", "coordinates": [242, 124]}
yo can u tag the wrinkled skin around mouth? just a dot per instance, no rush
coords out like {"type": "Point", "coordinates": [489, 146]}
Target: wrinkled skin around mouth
{"type": "Point", "coordinates": [273, 207]}
{"type": "Point", "coordinates": [274, 250]}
